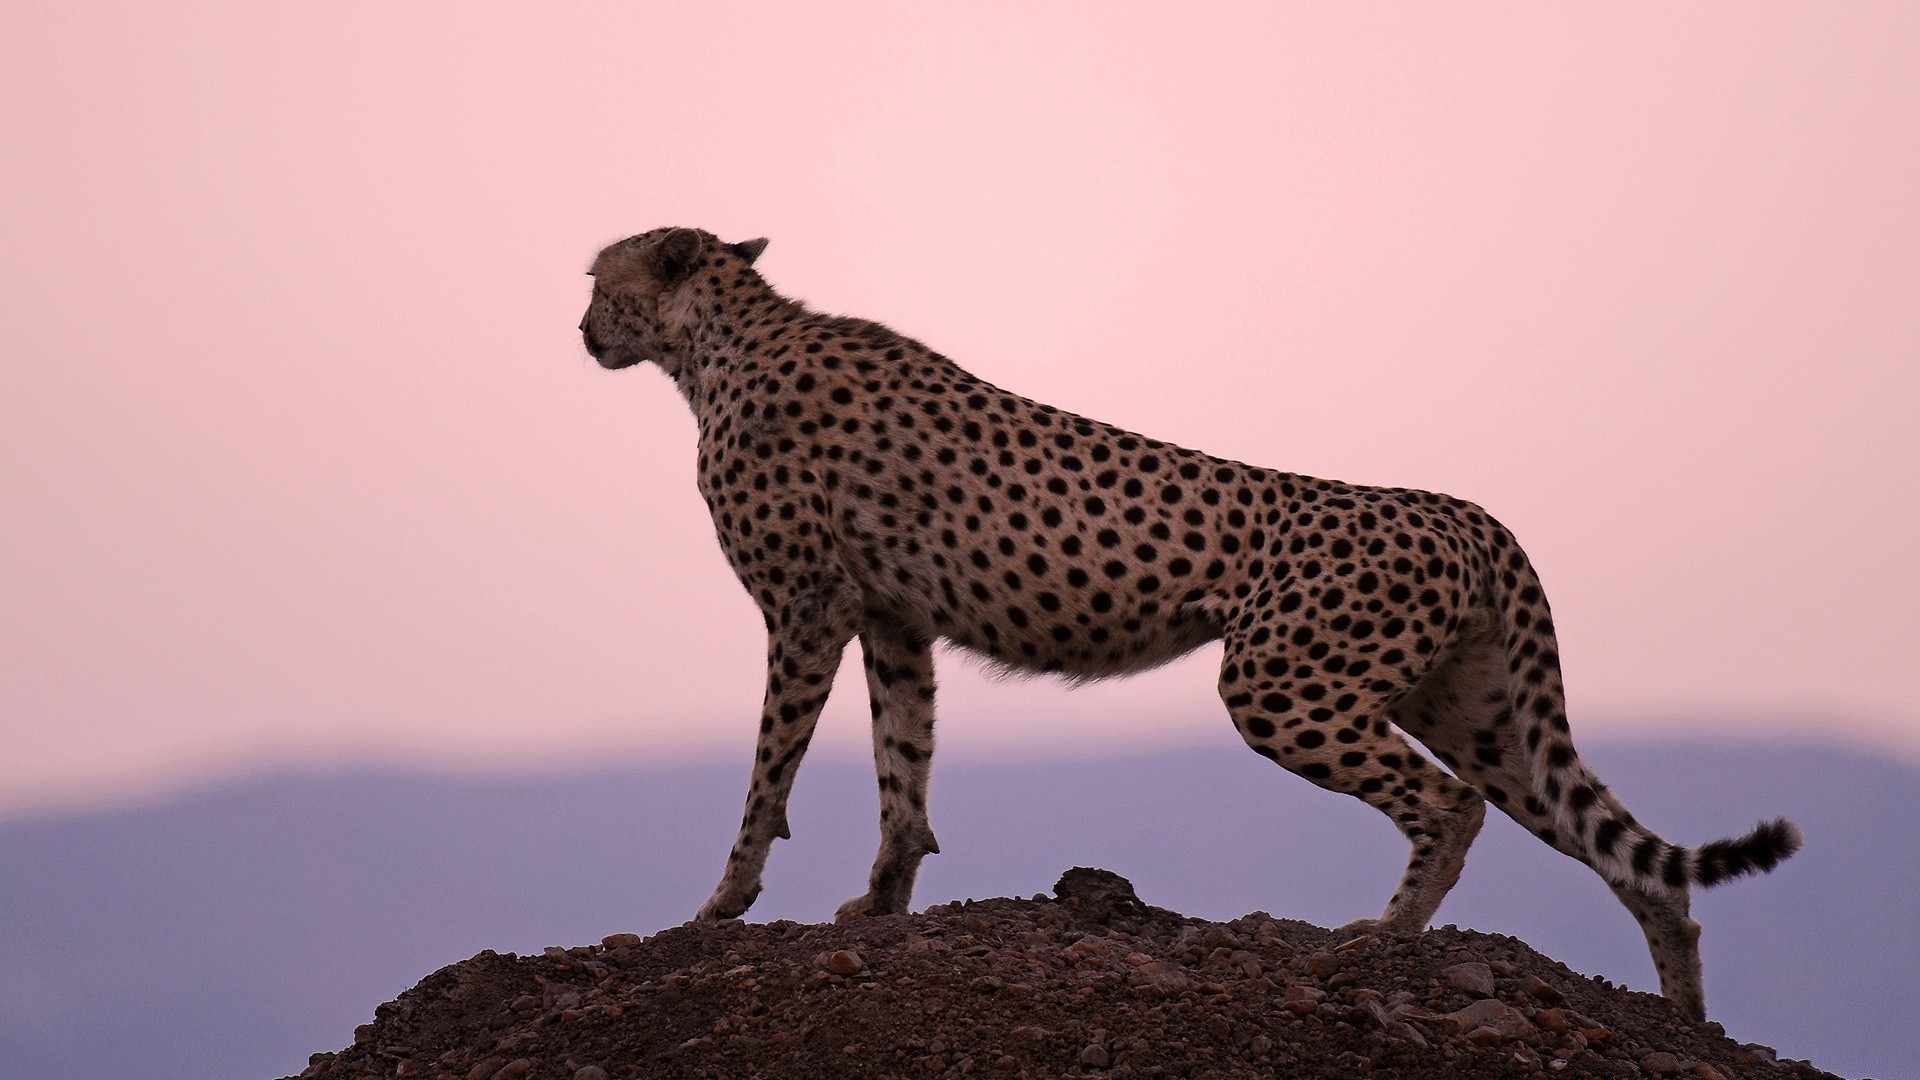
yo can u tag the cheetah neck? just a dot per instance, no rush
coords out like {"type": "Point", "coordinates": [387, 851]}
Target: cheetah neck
{"type": "Point", "coordinates": [722, 329]}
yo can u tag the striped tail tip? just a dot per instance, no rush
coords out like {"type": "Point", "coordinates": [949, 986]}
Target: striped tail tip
{"type": "Point", "coordinates": [1766, 847]}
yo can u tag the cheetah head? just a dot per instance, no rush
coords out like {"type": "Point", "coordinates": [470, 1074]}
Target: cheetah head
{"type": "Point", "coordinates": [641, 304]}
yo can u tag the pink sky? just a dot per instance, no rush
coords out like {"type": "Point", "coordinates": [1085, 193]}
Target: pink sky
{"type": "Point", "coordinates": [303, 461]}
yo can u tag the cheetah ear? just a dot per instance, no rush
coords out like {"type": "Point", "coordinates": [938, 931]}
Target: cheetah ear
{"type": "Point", "coordinates": [749, 249]}
{"type": "Point", "coordinates": [672, 258]}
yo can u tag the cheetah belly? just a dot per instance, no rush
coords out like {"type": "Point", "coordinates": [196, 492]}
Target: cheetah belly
{"type": "Point", "coordinates": [1017, 612]}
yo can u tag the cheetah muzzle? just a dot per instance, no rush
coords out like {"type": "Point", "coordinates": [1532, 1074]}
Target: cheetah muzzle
{"type": "Point", "coordinates": [864, 486]}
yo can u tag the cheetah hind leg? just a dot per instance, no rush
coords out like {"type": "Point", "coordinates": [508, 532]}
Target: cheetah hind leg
{"type": "Point", "coordinates": [899, 668]}
{"type": "Point", "coordinates": [1462, 712]}
{"type": "Point", "coordinates": [1352, 749]}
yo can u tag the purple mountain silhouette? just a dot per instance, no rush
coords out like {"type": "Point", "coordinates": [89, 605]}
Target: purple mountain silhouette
{"type": "Point", "coordinates": [230, 932]}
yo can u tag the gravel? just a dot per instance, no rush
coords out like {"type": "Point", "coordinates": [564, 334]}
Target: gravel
{"type": "Point", "coordinates": [1090, 982]}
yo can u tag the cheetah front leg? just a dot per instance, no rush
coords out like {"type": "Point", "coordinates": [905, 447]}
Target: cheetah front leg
{"type": "Point", "coordinates": [900, 683]}
{"type": "Point", "coordinates": [801, 662]}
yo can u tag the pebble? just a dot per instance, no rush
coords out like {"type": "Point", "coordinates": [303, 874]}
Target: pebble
{"type": "Point", "coordinates": [589, 1072]}
{"type": "Point", "coordinates": [620, 941]}
{"type": "Point", "coordinates": [514, 1070]}
{"type": "Point", "coordinates": [845, 962]}
{"type": "Point", "coordinates": [1095, 1056]}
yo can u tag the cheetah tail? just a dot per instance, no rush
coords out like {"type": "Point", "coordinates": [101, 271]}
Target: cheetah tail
{"type": "Point", "coordinates": [1767, 846]}
{"type": "Point", "coordinates": [1585, 816]}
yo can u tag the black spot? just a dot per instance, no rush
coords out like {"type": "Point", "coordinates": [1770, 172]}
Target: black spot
{"type": "Point", "coordinates": [1607, 834]}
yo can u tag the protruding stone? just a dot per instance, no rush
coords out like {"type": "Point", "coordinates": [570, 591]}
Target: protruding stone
{"type": "Point", "coordinates": [845, 962]}
{"type": "Point", "coordinates": [1095, 1056]}
{"type": "Point", "coordinates": [1100, 891]}
{"type": "Point", "coordinates": [1397, 1028]}
{"type": "Point", "coordinates": [1485, 1036]}
{"type": "Point", "coordinates": [1660, 1063]}
{"type": "Point", "coordinates": [1541, 991]}
{"type": "Point", "coordinates": [1475, 979]}
{"type": "Point", "coordinates": [1489, 1013]}
{"type": "Point", "coordinates": [1302, 1000]}
{"type": "Point", "coordinates": [620, 941]}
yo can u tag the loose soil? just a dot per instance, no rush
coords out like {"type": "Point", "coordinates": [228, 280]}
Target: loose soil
{"type": "Point", "coordinates": [1090, 982]}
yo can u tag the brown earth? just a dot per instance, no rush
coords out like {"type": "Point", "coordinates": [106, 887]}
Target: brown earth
{"type": "Point", "coordinates": [1090, 983]}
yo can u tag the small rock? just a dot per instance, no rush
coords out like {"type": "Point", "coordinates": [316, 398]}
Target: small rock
{"type": "Point", "coordinates": [1485, 1036]}
{"type": "Point", "coordinates": [1154, 977]}
{"type": "Point", "coordinates": [1542, 991]}
{"type": "Point", "coordinates": [620, 941]}
{"type": "Point", "coordinates": [1752, 1054]}
{"type": "Point", "coordinates": [1488, 1013]}
{"type": "Point", "coordinates": [1360, 942]}
{"type": "Point", "coordinates": [1260, 1045]}
{"type": "Point", "coordinates": [1396, 1028]}
{"type": "Point", "coordinates": [1475, 979]}
{"type": "Point", "coordinates": [514, 1070]}
{"type": "Point", "coordinates": [1660, 1063]}
{"type": "Point", "coordinates": [1554, 1020]}
{"type": "Point", "coordinates": [1302, 1000]}
{"type": "Point", "coordinates": [845, 962]}
{"type": "Point", "coordinates": [589, 1072]}
{"type": "Point", "coordinates": [1095, 1056]}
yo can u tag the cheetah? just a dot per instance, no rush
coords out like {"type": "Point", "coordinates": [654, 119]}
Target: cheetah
{"type": "Point", "coordinates": [865, 486]}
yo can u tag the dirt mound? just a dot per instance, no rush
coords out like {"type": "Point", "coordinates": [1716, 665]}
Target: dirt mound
{"type": "Point", "coordinates": [1090, 983]}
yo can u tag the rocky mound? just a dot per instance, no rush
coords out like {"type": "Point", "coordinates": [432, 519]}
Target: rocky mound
{"type": "Point", "coordinates": [1090, 983]}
